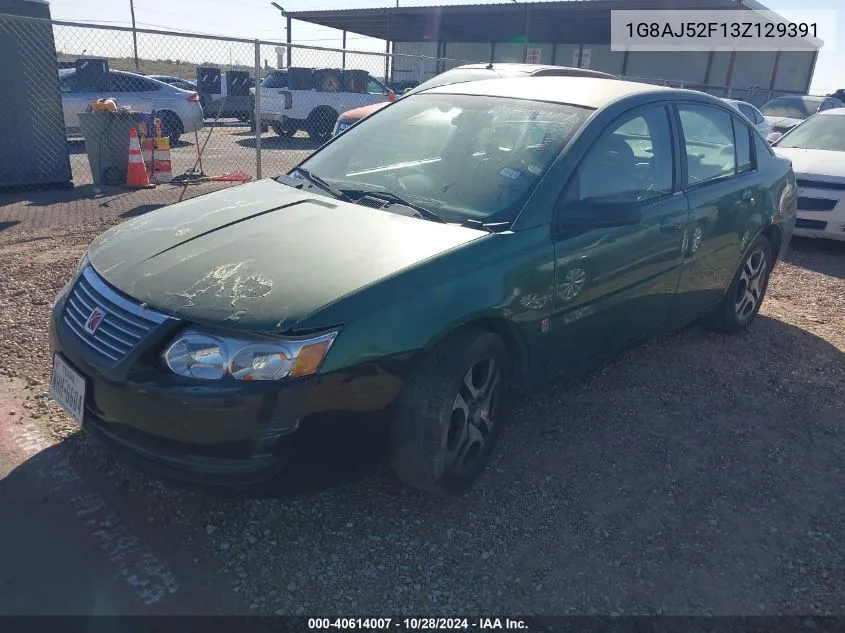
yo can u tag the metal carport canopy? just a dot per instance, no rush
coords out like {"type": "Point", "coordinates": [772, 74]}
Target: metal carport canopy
{"type": "Point", "coordinates": [586, 21]}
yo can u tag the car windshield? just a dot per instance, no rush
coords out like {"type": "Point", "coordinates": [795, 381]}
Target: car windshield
{"type": "Point", "coordinates": [462, 157]}
{"type": "Point", "coordinates": [790, 107]}
{"type": "Point", "coordinates": [823, 131]}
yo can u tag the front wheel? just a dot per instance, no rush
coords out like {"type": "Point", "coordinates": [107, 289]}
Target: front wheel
{"type": "Point", "coordinates": [283, 131]}
{"type": "Point", "coordinates": [745, 295]}
{"type": "Point", "coordinates": [451, 413]}
{"type": "Point", "coordinates": [320, 124]}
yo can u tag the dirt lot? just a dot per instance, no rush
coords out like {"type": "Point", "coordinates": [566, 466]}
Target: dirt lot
{"type": "Point", "coordinates": [697, 474]}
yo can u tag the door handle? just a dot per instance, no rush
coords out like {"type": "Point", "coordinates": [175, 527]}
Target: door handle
{"type": "Point", "coordinates": [670, 225]}
{"type": "Point", "coordinates": [747, 197]}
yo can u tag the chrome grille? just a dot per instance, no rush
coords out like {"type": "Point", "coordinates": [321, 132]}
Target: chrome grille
{"type": "Point", "coordinates": [123, 326]}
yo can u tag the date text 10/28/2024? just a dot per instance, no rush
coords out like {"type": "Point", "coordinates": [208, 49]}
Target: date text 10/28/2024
{"type": "Point", "coordinates": [417, 624]}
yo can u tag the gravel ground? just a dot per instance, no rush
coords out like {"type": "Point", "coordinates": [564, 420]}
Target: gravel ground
{"type": "Point", "coordinates": [698, 474]}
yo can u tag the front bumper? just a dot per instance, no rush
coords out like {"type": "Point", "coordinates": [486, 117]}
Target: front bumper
{"type": "Point", "coordinates": [821, 209]}
{"type": "Point", "coordinates": [220, 434]}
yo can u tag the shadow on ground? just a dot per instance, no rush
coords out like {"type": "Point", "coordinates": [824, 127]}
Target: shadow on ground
{"type": "Point", "coordinates": [141, 209]}
{"type": "Point", "coordinates": [821, 256]}
{"type": "Point", "coordinates": [631, 488]}
{"type": "Point", "coordinates": [277, 142]}
{"type": "Point", "coordinates": [48, 197]}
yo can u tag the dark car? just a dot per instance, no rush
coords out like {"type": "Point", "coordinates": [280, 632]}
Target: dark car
{"type": "Point", "coordinates": [522, 229]}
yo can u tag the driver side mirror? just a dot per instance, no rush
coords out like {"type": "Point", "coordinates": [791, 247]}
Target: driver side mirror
{"type": "Point", "coordinates": [586, 214]}
{"type": "Point", "coordinates": [773, 138]}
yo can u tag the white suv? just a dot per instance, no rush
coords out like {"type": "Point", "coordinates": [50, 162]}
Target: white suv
{"type": "Point", "coordinates": [310, 99]}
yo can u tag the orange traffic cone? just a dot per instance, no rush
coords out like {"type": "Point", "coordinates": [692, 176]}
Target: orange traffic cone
{"type": "Point", "coordinates": [162, 168]}
{"type": "Point", "coordinates": [147, 152]}
{"type": "Point", "coordinates": [136, 172]}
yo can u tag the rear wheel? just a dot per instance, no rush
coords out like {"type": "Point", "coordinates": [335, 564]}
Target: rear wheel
{"type": "Point", "coordinates": [320, 124]}
{"type": "Point", "coordinates": [451, 413]}
{"type": "Point", "coordinates": [284, 131]}
{"type": "Point", "coordinates": [747, 290]}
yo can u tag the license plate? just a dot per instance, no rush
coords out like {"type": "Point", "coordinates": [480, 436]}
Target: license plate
{"type": "Point", "coordinates": [68, 388]}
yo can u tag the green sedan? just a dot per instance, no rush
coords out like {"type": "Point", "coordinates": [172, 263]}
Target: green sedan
{"type": "Point", "coordinates": [461, 245]}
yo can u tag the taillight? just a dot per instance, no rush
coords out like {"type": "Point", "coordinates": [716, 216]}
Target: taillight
{"type": "Point", "coordinates": [194, 97]}
{"type": "Point", "coordinates": [391, 96]}
{"type": "Point", "coordinates": [288, 99]}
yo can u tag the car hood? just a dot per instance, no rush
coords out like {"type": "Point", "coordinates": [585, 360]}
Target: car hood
{"type": "Point", "coordinates": [782, 122]}
{"type": "Point", "coordinates": [359, 113]}
{"type": "Point", "coordinates": [262, 256]}
{"type": "Point", "coordinates": [815, 162]}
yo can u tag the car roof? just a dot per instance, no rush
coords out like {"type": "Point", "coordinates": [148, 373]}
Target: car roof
{"type": "Point", "coordinates": [590, 92]}
{"type": "Point", "coordinates": [832, 111]}
{"type": "Point", "coordinates": [800, 97]}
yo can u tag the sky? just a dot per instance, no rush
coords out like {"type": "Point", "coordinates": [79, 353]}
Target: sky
{"type": "Point", "coordinates": [258, 19]}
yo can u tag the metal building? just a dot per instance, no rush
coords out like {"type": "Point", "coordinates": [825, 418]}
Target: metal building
{"type": "Point", "coordinates": [566, 33]}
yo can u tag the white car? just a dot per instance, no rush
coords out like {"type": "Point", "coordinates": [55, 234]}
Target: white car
{"type": "Point", "coordinates": [816, 148]}
{"type": "Point", "coordinates": [752, 114]}
{"type": "Point", "coordinates": [784, 113]}
{"type": "Point", "coordinates": [311, 99]}
{"type": "Point", "coordinates": [179, 110]}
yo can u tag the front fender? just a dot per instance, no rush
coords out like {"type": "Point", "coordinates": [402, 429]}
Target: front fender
{"type": "Point", "coordinates": [483, 280]}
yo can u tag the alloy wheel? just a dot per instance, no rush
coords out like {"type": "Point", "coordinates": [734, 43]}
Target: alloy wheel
{"type": "Point", "coordinates": [472, 417]}
{"type": "Point", "coordinates": [752, 284]}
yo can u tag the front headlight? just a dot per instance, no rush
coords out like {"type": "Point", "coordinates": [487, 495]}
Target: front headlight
{"type": "Point", "coordinates": [207, 356]}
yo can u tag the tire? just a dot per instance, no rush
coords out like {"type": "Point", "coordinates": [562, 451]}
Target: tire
{"type": "Point", "coordinates": [450, 414]}
{"type": "Point", "coordinates": [320, 124]}
{"type": "Point", "coordinates": [171, 126]}
{"type": "Point", "coordinates": [283, 131]}
{"type": "Point", "coordinates": [745, 295]}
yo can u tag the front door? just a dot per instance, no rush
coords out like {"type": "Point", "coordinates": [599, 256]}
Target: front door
{"type": "Point", "coordinates": [614, 285]}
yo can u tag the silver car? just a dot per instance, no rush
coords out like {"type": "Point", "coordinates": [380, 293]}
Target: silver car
{"type": "Point", "coordinates": [752, 114]}
{"type": "Point", "coordinates": [179, 110]}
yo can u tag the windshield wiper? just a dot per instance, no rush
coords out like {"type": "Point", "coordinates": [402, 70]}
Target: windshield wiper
{"type": "Point", "coordinates": [392, 197]}
{"type": "Point", "coordinates": [322, 184]}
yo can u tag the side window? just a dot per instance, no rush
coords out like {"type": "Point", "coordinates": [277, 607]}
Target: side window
{"type": "Point", "coordinates": [374, 87]}
{"type": "Point", "coordinates": [744, 155]}
{"type": "Point", "coordinates": [709, 143]}
{"type": "Point", "coordinates": [632, 161]}
{"type": "Point", "coordinates": [68, 84]}
{"type": "Point", "coordinates": [128, 83]}
{"type": "Point", "coordinates": [275, 80]}
{"type": "Point", "coordinates": [758, 116]}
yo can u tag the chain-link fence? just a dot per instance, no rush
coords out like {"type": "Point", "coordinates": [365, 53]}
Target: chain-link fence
{"type": "Point", "coordinates": [209, 93]}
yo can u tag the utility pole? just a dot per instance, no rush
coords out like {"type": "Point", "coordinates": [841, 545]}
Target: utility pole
{"type": "Point", "coordinates": [134, 34]}
{"type": "Point", "coordinates": [281, 10]}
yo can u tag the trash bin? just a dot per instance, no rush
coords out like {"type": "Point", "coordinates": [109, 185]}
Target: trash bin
{"type": "Point", "coordinates": [106, 137]}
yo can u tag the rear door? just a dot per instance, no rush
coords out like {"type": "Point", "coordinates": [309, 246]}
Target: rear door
{"type": "Point", "coordinates": [274, 89]}
{"type": "Point", "coordinates": [139, 93]}
{"type": "Point", "coordinates": [726, 198]}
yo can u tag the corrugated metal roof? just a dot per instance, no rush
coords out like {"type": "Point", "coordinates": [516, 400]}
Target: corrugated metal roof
{"type": "Point", "coordinates": [586, 21]}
